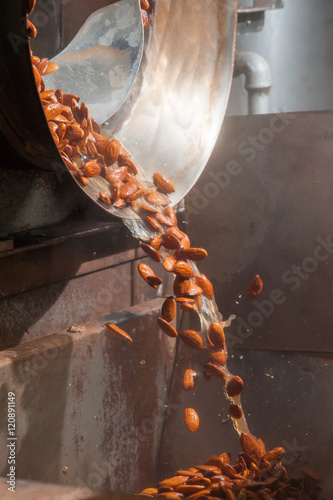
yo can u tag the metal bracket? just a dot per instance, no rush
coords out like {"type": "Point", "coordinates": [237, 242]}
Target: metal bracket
{"type": "Point", "coordinates": [259, 5]}
{"type": "Point", "coordinates": [251, 13]}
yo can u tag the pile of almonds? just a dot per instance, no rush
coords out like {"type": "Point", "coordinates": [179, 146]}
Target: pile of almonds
{"type": "Point", "coordinates": [256, 475]}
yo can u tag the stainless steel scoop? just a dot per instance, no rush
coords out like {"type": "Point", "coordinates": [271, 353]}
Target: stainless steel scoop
{"type": "Point", "coordinates": [173, 112]}
{"type": "Point", "coordinates": [101, 62]}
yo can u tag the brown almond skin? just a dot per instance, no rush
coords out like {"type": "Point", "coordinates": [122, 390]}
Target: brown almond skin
{"type": "Point", "coordinates": [155, 242]}
{"type": "Point", "coordinates": [163, 183]}
{"type": "Point", "coordinates": [188, 489]}
{"type": "Point", "coordinates": [153, 281]}
{"type": "Point", "coordinates": [235, 412]}
{"type": "Point", "coordinates": [149, 492]}
{"type": "Point", "coordinates": [112, 152]}
{"type": "Point", "coordinates": [168, 263]}
{"type": "Point", "coordinates": [84, 180]}
{"type": "Point", "coordinates": [262, 447]}
{"type": "Point", "coordinates": [191, 419]}
{"type": "Point", "coordinates": [192, 339]}
{"type": "Point", "coordinates": [249, 444]}
{"type": "Point", "coordinates": [170, 241]}
{"type": "Point", "coordinates": [138, 194]}
{"type": "Point", "coordinates": [218, 355]}
{"type": "Point", "coordinates": [185, 300]}
{"type": "Point", "coordinates": [128, 190]}
{"type": "Point", "coordinates": [206, 286]}
{"type": "Point", "coordinates": [254, 287]}
{"type": "Point", "coordinates": [119, 331]}
{"type": "Point", "coordinates": [158, 199]}
{"type": "Point", "coordinates": [216, 335]}
{"type": "Point", "coordinates": [152, 224]}
{"type": "Point", "coordinates": [169, 309]}
{"type": "Point", "coordinates": [234, 386]}
{"type": "Point", "coordinates": [173, 482]}
{"type": "Point", "coordinates": [185, 242]}
{"type": "Point", "coordinates": [214, 370]}
{"type": "Point", "coordinates": [170, 213]}
{"type": "Point", "coordinates": [194, 254]}
{"type": "Point", "coordinates": [171, 495]}
{"type": "Point", "coordinates": [150, 251]}
{"type": "Point", "coordinates": [183, 269]}
{"type": "Point", "coordinates": [275, 455]}
{"type": "Point", "coordinates": [105, 198]}
{"type": "Point", "coordinates": [185, 306]}
{"type": "Point", "coordinates": [167, 328]}
{"type": "Point", "coordinates": [190, 379]}
{"type": "Point", "coordinates": [126, 162]}
{"type": "Point", "coordinates": [163, 219]}
{"type": "Point", "coordinates": [145, 270]}
{"type": "Point", "coordinates": [117, 174]}
{"type": "Point", "coordinates": [148, 208]}
{"type": "Point", "coordinates": [192, 290]}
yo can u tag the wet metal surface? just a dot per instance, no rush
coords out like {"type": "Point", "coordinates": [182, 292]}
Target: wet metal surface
{"type": "Point", "coordinates": [91, 402]}
{"type": "Point", "coordinates": [287, 398]}
{"type": "Point", "coordinates": [262, 206]}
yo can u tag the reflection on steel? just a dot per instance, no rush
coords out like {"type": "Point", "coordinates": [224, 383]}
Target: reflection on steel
{"type": "Point", "coordinates": [101, 62]}
{"type": "Point", "coordinates": [173, 114]}
{"type": "Point", "coordinates": [171, 119]}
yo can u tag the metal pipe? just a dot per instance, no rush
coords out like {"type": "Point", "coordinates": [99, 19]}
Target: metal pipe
{"type": "Point", "coordinates": [258, 80]}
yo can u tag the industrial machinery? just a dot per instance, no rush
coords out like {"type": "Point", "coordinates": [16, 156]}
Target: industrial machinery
{"type": "Point", "coordinates": [93, 413]}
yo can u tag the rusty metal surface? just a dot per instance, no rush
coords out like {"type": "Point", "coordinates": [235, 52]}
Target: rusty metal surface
{"type": "Point", "coordinates": [31, 490]}
{"type": "Point", "coordinates": [54, 307]}
{"type": "Point", "coordinates": [33, 198]}
{"type": "Point", "coordinates": [45, 261]}
{"type": "Point", "coordinates": [287, 398]}
{"type": "Point", "coordinates": [91, 402]}
{"type": "Point", "coordinates": [262, 206]}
